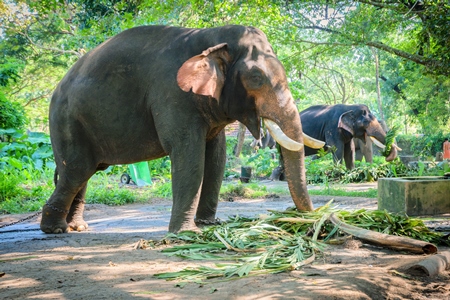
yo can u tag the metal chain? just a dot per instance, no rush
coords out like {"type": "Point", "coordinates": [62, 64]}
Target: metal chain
{"type": "Point", "coordinates": [37, 214]}
{"type": "Point", "coordinates": [63, 211]}
{"type": "Point", "coordinates": [22, 220]}
{"type": "Point", "coordinates": [217, 221]}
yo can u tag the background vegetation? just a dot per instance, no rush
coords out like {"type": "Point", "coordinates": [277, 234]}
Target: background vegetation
{"type": "Point", "coordinates": [332, 52]}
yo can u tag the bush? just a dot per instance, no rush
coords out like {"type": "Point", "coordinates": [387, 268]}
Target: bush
{"type": "Point", "coordinates": [26, 151]}
{"type": "Point", "coordinates": [263, 162]}
{"type": "Point", "coordinates": [160, 168]}
{"type": "Point", "coordinates": [252, 190]}
{"type": "Point", "coordinates": [324, 170]}
{"type": "Point", "coordinates": [12, 115]}
{"type": "Point", "coordinates": [422, 145]}
{"type": "Point", "coordinates": [24, 191]}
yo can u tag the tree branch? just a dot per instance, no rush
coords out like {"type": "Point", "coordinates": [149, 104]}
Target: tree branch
{"type": "Point", "coordinates": [37, 98]}
{"type": "Point", "coordinates": [413, 57]}
{"type": "Point", "coordinates": [78, 54]}
{"type": "Point", "coordinates": [419, 59]}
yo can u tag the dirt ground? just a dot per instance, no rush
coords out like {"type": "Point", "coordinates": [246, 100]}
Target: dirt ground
{"type": "Point", "coordinates": [103, 264]}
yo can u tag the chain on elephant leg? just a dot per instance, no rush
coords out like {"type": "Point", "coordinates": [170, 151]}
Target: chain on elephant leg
{"type": "Point", "coordinates": [75, 217]}
{"type": "Point", "coordinates": [203, 222]}
{"type": "Point", "coordinates": [53, 219]}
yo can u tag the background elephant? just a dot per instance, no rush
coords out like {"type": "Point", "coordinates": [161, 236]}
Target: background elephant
{"type": "Point", "coordinates": [265, 141]}
{"type": "Point", "coordinates": [366, 150]}
{"type": "Point", "coordinates": [338, 124]}
{"type": "Point", "coordinates": [363, 149]}
{"type": "Point", "coordinates": [137, 97]}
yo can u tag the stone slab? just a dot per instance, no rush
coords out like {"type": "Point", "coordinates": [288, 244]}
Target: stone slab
{"type": "Point", "coordinates": [415, 196]}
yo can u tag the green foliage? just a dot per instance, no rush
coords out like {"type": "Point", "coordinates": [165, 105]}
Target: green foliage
{"type": "Point", "coordinates": [162, 189]}
{"type": "Point", "coordinates": [12, 114]}
{"type": "Point", "coordinates": [24, 190]}
{"type": "Point", "coordinates": [428, 145]}
{"type": "Point", "coordinates": [26, 171]}
{"type": "Point", "coordinates": [26, 151]}
{"type": "Point", "coordinates": [324, 170]}
{"type": "Point", "coordinates": [390, 139]}
{"type": "Point", "coordinates": [326, 48]}
{"type": "Point", "coordinates": [231, 142]}
{"type": "Point", "coordinates": [279, 242]}
{"type": "Point", "coordinates": [9, 71]}
{"type": "Point", "coordinates": [423, 146]}
{"type": "Point", "coordinates": [9, 185]}
{"type": "Point", "coordinates": [110, 195]}
{"type": "Point", "coordinates": [263, 162]}
{"type": "Point", "coordinates": [251, 190]}
{"type": "Point", "coordinates": [160, 168]}
{"type": "Point", "coordinates": [370, 193]}
{"type": "Point", "coordinates": [404, 141]}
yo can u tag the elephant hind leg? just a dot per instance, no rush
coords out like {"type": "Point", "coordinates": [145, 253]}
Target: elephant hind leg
{"type": "Point", "coordinates": [66, 204]}
{"type": "Point", "coordinates": [75, 219]}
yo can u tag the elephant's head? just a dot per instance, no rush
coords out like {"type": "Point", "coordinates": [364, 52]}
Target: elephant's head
{"type": "Point", "coordinates": [360, 123]}
{"type": "Point", "coordinates": [250, 84]}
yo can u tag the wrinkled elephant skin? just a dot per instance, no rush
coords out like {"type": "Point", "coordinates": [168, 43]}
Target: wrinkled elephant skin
{"type": "Point", "coordinates": [153, 91]}
{"type": "Point", "coordinates": [338, 124]}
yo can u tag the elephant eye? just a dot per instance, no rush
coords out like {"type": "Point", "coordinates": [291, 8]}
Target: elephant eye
{"type": "Point", "coordinates": [254, 79]}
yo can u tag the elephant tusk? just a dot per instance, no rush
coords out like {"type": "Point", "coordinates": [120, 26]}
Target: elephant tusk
{"type": "Point", "coordinates": [398, 148]}
{"type": "Point", "coordinates": [282, 139]}
{"type": "Point", "coordinates": [312, 142]}
{"type": "Point", "coordinates": [377, 143]}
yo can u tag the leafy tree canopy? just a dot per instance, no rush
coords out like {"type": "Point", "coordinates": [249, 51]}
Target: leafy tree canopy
{"type": "Point", "coordinates": [328, 47]}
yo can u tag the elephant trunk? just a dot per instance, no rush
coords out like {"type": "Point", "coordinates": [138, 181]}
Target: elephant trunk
{"type": "Point", "coordinates": [393, 154]}
{"type": "Point", "coordinates": [378, 137]}
{"type": "Point", "coordinates": [294, 169]}
{"type": "Point", "coordinates": [293, 156]}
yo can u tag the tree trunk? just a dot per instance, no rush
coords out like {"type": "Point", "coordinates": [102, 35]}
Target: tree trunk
{"type": "Point", "coordinates": [399, 243]}
{"type": "Point", "coordinates": [377, 82]}
{"type": "Point", "coordinates": [240, 140]}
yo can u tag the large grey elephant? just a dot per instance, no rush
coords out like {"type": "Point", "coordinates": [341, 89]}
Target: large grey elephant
{"type": "Point", "coordinates": [137, 97]}
{"type": "Point", "coordinates": [338, 124]}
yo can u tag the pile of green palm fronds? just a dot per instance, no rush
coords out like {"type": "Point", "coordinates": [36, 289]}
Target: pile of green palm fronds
{"type": "Point", "coordinates": [278, 242]}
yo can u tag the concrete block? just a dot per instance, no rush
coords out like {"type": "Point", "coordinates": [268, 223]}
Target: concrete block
{"type": "Point", "coordinates": [415, 196]}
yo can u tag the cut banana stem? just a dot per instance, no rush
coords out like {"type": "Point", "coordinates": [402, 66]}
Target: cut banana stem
{"type": "Point", "coordinates": [312, 142]}
{"type": "Point", "coordinates": [377, 143]}
{"type": "Point", "coordinates": [282, 139]}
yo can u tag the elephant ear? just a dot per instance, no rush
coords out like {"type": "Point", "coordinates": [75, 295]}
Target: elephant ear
{"type": "Point", "coordinates": [204, 74]}
{"type": "Point", "coordinates": [347, 121]}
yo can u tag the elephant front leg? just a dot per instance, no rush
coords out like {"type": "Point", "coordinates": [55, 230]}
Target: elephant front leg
{"type": "Point", "coordinates": [187, 176]}
{"type": "Point", "coordinates": [215, 157]}
{"type": "Point", "coordinates": [349, 155]}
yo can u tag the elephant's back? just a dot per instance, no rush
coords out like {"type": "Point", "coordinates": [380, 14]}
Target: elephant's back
{"type": "Point", "coordinates": [317, 119]}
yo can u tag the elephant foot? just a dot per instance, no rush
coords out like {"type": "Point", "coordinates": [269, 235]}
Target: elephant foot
{"type": "Point", "coordinates": [77, 224]}
{"type": "Point", "coordinates": [191, 229]}
{"type": "Point", "coordinates": [187, 226]}
{"type": "Point", "coordinates": [75, 217]}
{"type": "Point", "coordinates": [53, 221]}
